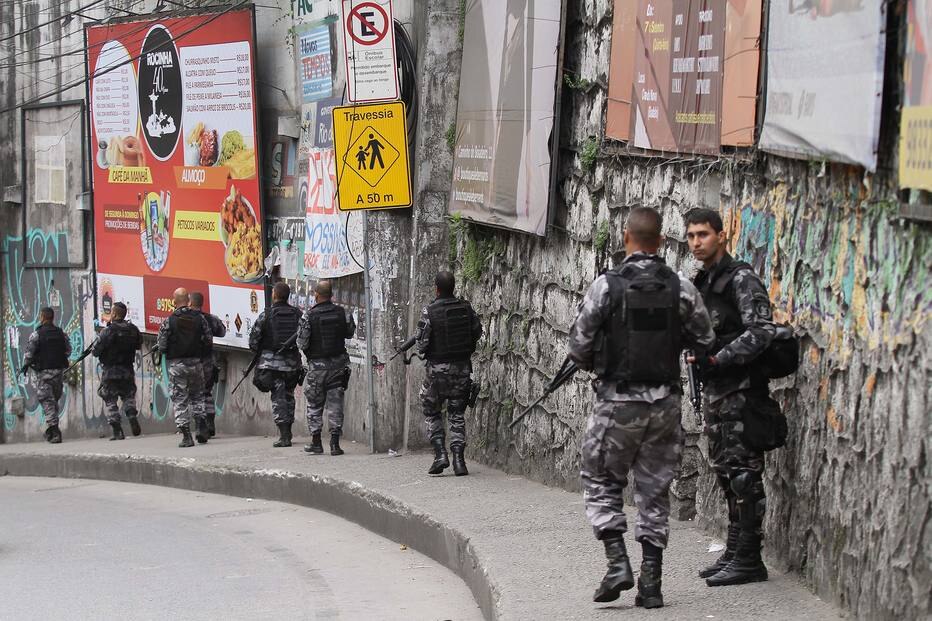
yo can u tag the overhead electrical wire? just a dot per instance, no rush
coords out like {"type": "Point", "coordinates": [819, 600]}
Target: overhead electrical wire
{"type": "Point", "coordinates": [51, 21]}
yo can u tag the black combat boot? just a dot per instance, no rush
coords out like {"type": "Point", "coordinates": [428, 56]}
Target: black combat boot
{"type": "Point", "coordinates": [201, 435]}
{"type": "Point", "coordinates": [441, 459]}
{"type": "Point", "coordinates": [649, 595]}
{"type": "Point", "coordinates": [284, 436]}
{"type": "Point", "coordinates": [211, 425]}
{"type": "Point", "coordinates": [459, 464]}
{"type": "Point", "coordinates": [48, 433]}
{"type": "Point", "coordinates": [746, 566]}
{"type": "Point", "coordinates": [117, 432]}
{"type": "Point", "coordinates": [730, 545]}
{"type": "Point", "coordinates": [54, 434]}
{"type": "Point", "coordinates": [618, 578]}
{"type": "Point", "coordinates": [335, 444]}
{"type": "Point", "coordinates": [134, 424]}
{"type": "Point", "coordinates": [186, 439]}
{"type": "Point", "coordinates": [315, 446]}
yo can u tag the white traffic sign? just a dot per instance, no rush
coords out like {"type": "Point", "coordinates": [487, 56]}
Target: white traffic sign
{"type": "Point", "coordinates": [369, 50]}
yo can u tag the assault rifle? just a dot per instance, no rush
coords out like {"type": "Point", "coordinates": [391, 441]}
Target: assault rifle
{"type": "Point", "coordinates": [566, 371]}
{"type": "Point", "coordinates": [695, 385]}
{"type": "Point", "coordinates": [84, 354]}
{"type": "Point", "coordinates": [404, 348]}
{"type": "Point", "coordinates": [252, 365]}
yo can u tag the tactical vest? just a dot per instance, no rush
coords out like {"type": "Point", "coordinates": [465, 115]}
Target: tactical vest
{"type": "Point", "coordinates": [327, 322]}
{"type": "Point", "coordinates": [451, 337]}
{"type": "Point", "coordinates": [186, 338]}
{"type": "Point", "coordinates": [719, 300]}
{"type": "Point", "coordinates": [123, 345]}
{"type": "Point", "coordinates": [644, 329]}
{"type": "Point", "coordinates": [281, 323]}
{"type": "Point", "coordinates": [52, 344]}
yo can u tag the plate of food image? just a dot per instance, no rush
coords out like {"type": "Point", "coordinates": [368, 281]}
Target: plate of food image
{"type": "Point", "coordinates": [235, 212]}
{"type": "Point", "coordinates": [243, 256]}
{"type": "Point", "coordinates": [201, 146]}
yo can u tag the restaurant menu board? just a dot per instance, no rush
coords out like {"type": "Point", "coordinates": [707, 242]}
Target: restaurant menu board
{"type": "Point", "coordinates": [176, 190]}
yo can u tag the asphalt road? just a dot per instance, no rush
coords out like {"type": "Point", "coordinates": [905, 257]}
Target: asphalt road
{"type": "Point", "coordinates": [75, 549]}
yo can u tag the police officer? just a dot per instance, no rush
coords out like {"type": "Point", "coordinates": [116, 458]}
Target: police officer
{"type": "Point", "coordinates": [184, 338]}
{"type": "Point", "coordinates": [47, 353]}
{"type": "Point", "coordinates": [321, 336]}
{"type": "Point", "coordinates": [210, 364]}
{"type": "Point", "coordinates": [631, 328]}
{"type": "Point", "coordinates": [273, 338]}
{"type": "Point", "coordinates": [733, 392]}
{"type": "Point", "coordinates": [447, 334]}
{"type": "Point", "coordinates": [116, 348]}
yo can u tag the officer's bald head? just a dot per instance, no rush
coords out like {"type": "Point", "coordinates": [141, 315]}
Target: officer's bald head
{"type": "Point", "coordinates": [324, 290]}
{"type": "Point", "coordinates": [180, 297]}
{"type": "Point", "coordinates": [642, 230]}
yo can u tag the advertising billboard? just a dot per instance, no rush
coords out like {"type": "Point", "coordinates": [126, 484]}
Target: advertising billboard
{"type": "Point", "coordinates": [825, 80]}
{"type": "Point", "coordinates": [175, 162]}
{"type": "Point", "coordinates": [916, 120]}
{"type": "Point", "coordinates": [505, 115]}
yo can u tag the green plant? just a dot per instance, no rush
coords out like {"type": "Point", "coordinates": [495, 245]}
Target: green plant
{"type": "Point", "coordinates": [589, 153]}
{"type": "Point", "coordinates": [601, 236]}
{"type": "Point", "coordinates": [454, 232]}
{"type": "Point", "coordinates": [577, 84]}
{"type": "Point", "coordinates": [451, 136]}
{"type": "Point", "coordinates": [461, 33]}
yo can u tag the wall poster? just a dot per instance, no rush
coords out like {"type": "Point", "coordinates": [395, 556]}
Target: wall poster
{"type": "Point", "coordinates": [916, 121]}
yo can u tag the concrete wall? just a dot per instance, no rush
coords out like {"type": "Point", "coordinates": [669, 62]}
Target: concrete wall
{"type": "Point", "coordinates": [849, 501]}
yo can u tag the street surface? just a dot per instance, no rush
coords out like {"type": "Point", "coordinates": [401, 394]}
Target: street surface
{"type": "Point", "coordinates": [78, 549]}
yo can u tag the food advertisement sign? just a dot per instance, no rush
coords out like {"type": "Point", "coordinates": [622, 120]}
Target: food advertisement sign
{"type": "Point", "coordinates": [174, 149]}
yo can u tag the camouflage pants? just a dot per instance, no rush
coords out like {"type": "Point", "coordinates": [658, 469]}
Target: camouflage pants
{"type": "Point", "coordinates": [283, 384]}
{"type": "Point", "coordinates": [210, 370]}
{"type": "Point", "coordinates": [738, 468]}
{"type": "Point", "coordinates": [187, 390]}
{"type": "Point", "coordinates": [50, 384]}
{"type": "Point", "coordinates": [644, 439]}
{"type": "Point", "coordinates": [113, 389]}
{"type": "Point", "coordinates": [321, 400]}
{"type": "Point", "coordinates": [451, 384]}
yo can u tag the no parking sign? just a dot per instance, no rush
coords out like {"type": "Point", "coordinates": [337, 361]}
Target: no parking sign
{"type": "Point", "coordinates": [369, 50]}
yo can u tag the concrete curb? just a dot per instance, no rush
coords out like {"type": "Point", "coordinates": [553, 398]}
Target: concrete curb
{"type": "Point", "coordinates": [375, 512]}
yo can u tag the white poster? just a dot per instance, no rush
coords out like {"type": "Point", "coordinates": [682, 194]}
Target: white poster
{"type": "Point", "coordinates": [825, 80]}
{"type": "Point", "coordinates": [333, 238]}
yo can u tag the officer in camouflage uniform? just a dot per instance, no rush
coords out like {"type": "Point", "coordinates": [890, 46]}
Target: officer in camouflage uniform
{"type": "Point", "coordinates": [47, 353]}
{"type": "Point", "coordinates": [210, 363]}
{"type": "Point", "coordinates": [279, 371]}
{"type": "Point", "coordinates": [631, 328]}
{"type": "Point", "coordinates": [447, 334]}
{"type": "Point", "coordinates": [116, 348]}
{"type": "Point", "coordinates": [321, 336]}
{"type": "Point", "coordinates": [184, 338]}
{"type": "Point", "coordinates": [734, 391]}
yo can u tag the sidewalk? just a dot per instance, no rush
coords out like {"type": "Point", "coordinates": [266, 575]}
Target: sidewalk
{"type": "Point", "coordinates": [524, 549]}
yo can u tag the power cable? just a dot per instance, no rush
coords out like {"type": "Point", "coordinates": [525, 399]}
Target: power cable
{"type": "Point", "coordinates": [51, 21]}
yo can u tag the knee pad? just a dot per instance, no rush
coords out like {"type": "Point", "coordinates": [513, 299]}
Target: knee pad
{"type": "Point", "coordinates": [748, 486]}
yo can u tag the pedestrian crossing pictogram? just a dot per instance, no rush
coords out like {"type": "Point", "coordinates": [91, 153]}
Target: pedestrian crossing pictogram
{"type": "Point", "coordinates": [371, 143]}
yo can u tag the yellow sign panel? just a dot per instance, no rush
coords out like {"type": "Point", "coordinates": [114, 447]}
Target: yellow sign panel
{"type": "Point", "coordinates": [199, 225]}
{"type": "Point", "coordinates": [371, 147]}
{"type": "Point", "coordinates": [129, 174]}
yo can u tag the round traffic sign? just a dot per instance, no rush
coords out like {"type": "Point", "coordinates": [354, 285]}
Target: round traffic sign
{"type": "Point", "coordinates": [370, 32]}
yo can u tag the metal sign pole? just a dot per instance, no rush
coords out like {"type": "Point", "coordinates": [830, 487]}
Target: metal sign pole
{"type": "Point", "coordinates": [370, 413]}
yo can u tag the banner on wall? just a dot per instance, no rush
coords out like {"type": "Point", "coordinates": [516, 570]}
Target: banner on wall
{"type": "Point", "coordinates": [916, 120]}
{"type": "Point", "coordinates": [825, 80]}
{"type": "Point", "coordinates": [314, 62]}
{"type": "Point", "coordinates": [683, 74]}
{"type": "Point", "coordinates": [176, 189]}
{"type": "Point", "coordinates": [333, 240]}
{"type": "Point", "coordinates": [505, 118]}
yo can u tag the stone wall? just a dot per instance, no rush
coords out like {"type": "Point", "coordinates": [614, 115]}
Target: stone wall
{"type": "Point", "coordinates": [849, 499]}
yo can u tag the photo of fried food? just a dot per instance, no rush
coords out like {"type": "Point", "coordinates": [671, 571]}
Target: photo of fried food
{"type": "Point", "coordinates": [242, 235]}
{"type": "Point", "coordinates": [125, 152]}
{"type": "Point", "coordinates": [236, 213]}
{"type": "Point", "coordinates": [242, 165]}
{"type": "Point", "coordinates": [208, 149]}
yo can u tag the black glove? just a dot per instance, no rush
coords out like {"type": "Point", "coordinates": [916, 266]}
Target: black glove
{"type": "Point", "coordinates": [707, 365]}
{"type": "Point", "coordinates": [23, 370]}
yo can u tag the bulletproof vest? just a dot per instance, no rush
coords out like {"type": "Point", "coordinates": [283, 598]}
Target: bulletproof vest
{"type": "Point", "coordinates": [643, 340]}
{"type": "Point", "coordinates": [281, 323]}
{"type": "Point", "coordinates": [52, 344]}
{"type": "Point", "coordinates": [328, 331]}
{"type": "Point", "coordinates": [186, 336]}
{"type": "Point", "coordinates": [719, 300]}
{"type": "Point", "coordinates": [123, 345]}
{"type": "Point", "coordinates": [451, 337]}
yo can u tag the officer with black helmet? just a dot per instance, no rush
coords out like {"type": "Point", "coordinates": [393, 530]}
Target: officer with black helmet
{"type": "Point", "coordinates": [447, 334]}
{"type": "Point", "coordinates": [279, 369]}
{"type": "Point", "coordinates": [322, 337]}
{"type": "Point", "coordinates": [184, 338]}
{"type": "Point", "coordinates": [116, 349]}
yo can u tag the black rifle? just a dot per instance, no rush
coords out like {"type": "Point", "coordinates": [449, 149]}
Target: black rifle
{"type": "Point", "coordinates": [252, 365]}
{"type": "Point", "coordinates": [695, 385]}
{"type": "Point", "coordinates": [566, 371]}
{"type": "Point", "coordinates": [84, 354]}
{"type": "Point", "coordinates": [405, 347]}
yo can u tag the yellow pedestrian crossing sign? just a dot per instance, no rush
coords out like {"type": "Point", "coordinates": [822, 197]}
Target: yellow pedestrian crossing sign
{"type": "Point", "coordinates": [371, 145]}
